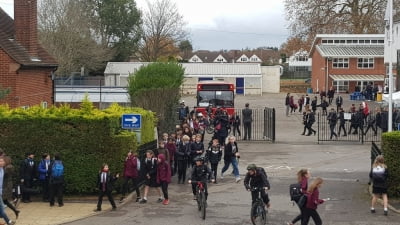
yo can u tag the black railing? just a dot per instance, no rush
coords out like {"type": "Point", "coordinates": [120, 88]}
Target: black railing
{"type": "Point", "coordinates": [358, 132]}
{"type": "Point", "coordinates": [262, 126]}
{"type": "Point", "coordinates": [375, 151]}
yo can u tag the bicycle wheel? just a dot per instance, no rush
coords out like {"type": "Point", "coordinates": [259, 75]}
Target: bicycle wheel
{"type": "Point", "coordinates": [203, 205]}
{"type": "Point", "coordinates": [258, 214]}
{"type": "Point", "coordinates": [210, 129]}
{"type": "Point", "coordinates": [199, 200]}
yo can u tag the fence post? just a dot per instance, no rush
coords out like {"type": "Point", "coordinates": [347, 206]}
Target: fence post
{"type": "Point", "coordinates": [319, 124]}
{"type": "Point", "coordinates": [273, 125]}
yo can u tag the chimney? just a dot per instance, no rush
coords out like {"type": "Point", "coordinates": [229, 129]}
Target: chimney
{"type": "Point", "coordinates": [25, 25]}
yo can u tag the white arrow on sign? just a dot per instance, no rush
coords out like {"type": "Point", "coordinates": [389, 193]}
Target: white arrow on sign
{"type": "Point", "coordinates": [133, 119]}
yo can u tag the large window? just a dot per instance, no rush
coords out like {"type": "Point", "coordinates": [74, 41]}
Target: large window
{"type": "Point", "coordinates": [365, 63]}
{"type": "Point", "coordinates": [215, 98]}
{"type": "Point", "coordinates": [340, 63]}
{"type": "Point", "coordinates": [342, 85]}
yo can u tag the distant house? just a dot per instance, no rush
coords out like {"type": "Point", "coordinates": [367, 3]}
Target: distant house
{"type": "Point", "coordinates": [266, 56]}
{"type": "Point", "coordinates": [25, 67]}
{"type": "Point", "coordinates": [300, 62]}
{"type": "Point", "coordinates": [345, 61]}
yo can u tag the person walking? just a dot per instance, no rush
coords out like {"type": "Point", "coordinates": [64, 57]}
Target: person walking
{"type": "Point", "coordinates": [105, 182]}
{"type": "Point", "coordinates": [301, 103]}
{"type": "Point", "coordinates": [56, 180]}
{"type": "Point", "coordinates": [27, 175]}
{"type": "Point", "coordinates": [379, 176]}
{"type": "Point", "coordinates": [305, 118]}
{"type": "Point", "coordinates": [310, 122]}
{"type": "Point", "coordinates": [331, 94]}
{"type": "Point", "coordinates": [236, 125]}
{"type": "Point", "coordinates": [231, 154]}
{"type": "Point", "coordinates": [302, 177]}
{"type": "Point", "coordinates": [342, 122]}
{"type": "Point", "coordinates": [213, 156]}
{"type": "Point", "coordinates": [150, 173]}
{"type": "Point", "coordinates": [2, 211]}
{"type": "Point", "coordinates": [247, 116]}
{"type": "Point", "coordinates": [9, 172]}
{"type": "Point", "coordinates": [314, 104]}
{"type": "Point", "coordinates": [287, 103]}
{"type": "Point", "coordinates": [371, 122]}
{"type": "Point", "coordinates": [131, 172]}
{"type": "Point", "coordinates": [182, 155]}
{"type": "Point", "coordinates": [163, 176]}
{"type": "Point", "coordinates": [43, 170]}
{"type": "Point", "coordinates": [332, 119]}
{"type": "Point", "coordinates": [313, 200]}
{"type": "Point", "coordinates": [339, 103]}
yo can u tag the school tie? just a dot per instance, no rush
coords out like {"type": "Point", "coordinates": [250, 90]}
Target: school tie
{"type": "Point", "coordinates": [104, 182]}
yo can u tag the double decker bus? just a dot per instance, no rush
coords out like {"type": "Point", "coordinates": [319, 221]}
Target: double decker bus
{"type": "Point", "coordinates": [215, 94]}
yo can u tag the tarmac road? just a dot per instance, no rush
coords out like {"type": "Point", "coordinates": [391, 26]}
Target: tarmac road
{"type": "Point", "coordinates": [343, 166]}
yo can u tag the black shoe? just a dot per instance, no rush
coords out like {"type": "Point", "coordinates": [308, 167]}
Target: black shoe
{"type": "Point", "coordinates": [17, 214]}
{"type": "Point", "coordinates": [143, 201]}
{"type": "Point", "coordinates": [51, 204]}
{"type": "Point", "coordinates": [137, 199]}
{"type": "Point", "coordinates": [160, 200]}
{"type": "Point", "coordinates": [114, 208]}
{"type": "Point", "coordinates": [385, 212]}
{"type": "Point", "coordinates": [345, 135]}
{"type": "Point", "coordinates": [315, 132]}
{"type": "Point", "coordinates": [303, 134]}
{"type": "Point", "coordinates": [308, 134]}
{"type": "Point", "coordinates": [61, 205]}
{"type": "Point", "coordinates": [97, 210]}
{"type": "Point", "coordinates": [25, 201]}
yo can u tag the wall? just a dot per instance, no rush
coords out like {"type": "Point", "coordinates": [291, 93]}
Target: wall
{"type": "Point", "coordinates": [270, 79]}
{"type": "Point", "coordinates": [318, 72]}
{"type": "Point", "coordinates": [7, 78]}
{"type": "Point", "coordinates": [34, 86]}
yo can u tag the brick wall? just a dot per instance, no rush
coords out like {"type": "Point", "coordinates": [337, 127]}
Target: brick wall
{"type": "Point", "coordinates": [318, 72]}
{"type": "Point", "coordinates": [25, 22]}
{"type": "Point", "coordinates": [28, 86]}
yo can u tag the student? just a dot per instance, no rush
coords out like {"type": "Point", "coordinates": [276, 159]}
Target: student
{"type": "Point", "coordinates": [131, 172]}
{"type": "Point", "coordinates": [56, 180]}
{"type": "Point", "coordinates": [332, 119]}
{"type": "Point", "coordinates": [313, 200]}
{"type": "Point", "coordinates": [171, 147]}
{"type": "Point", "coordinates": [43, 170]}
{"type": "Point", "coordinates": [9, 172]}
{"type": "Point", "coordinates": [150, 174]}
{"type": "Point", "coordinates": [27, 174]}
{"type": "Point", "coordinates": [105, 183]}
{"type": "Point", "coordinates": [163, 176]}
{"type": "Point", "coordinates": [379, 175]}
{"type": "Point", "coordinates": [257, 178]}
{"type": "Point", "coordinates": [213, 155]}
{"type": "Point", "coordinates": [2, 211]}
{"type": "Point", "coordinates": [197, 147]}
{"type": "Point", "coordinates": [236, 125]}
{"type": "Point", "coordinates": [201, 173]}
{"type": "Point", "coordinates": [231, 153]}
{"type": "Point", "coordinates": [182, 154]}
{"type": "Point", "coordinates": [302, 177]}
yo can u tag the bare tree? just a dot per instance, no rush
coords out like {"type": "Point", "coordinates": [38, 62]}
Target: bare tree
{"type": "Point", "coordinates": [65, 33]}
{"type": "Point", "coordinates": [307, 18]}
{"type": "Point", "coordinates": [163, 29]}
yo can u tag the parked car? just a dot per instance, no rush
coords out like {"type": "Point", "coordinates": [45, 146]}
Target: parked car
{"type": "Point", "coordinates": [307, 81]}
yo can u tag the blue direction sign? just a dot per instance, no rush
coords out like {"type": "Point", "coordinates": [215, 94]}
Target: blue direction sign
{"type": "Point", "coordinates": [131, 121]}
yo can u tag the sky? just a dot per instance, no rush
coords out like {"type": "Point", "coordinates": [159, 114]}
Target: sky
{"type": "Point", "coordinates": [225, 24]}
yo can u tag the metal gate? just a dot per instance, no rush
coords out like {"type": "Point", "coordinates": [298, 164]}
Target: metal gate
{"type": "Point", "coordinates": [364, 133]}
{"type": "Point", "coordinates": [262, 127]}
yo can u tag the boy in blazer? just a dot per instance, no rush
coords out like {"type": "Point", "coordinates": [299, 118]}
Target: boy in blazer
{"type": "Point", "coordinates": [105, 183]}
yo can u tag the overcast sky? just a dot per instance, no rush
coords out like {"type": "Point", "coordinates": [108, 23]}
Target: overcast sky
{"type": "Point", "coordinates": [226, 24]}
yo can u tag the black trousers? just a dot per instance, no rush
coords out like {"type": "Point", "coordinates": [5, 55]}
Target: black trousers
{"type": "Point", "coordinates": [214, 167]}
{"type": "Point", "coordinates": [332, 128]}
{"type": "Point", "coordinates": [247, 131]}
{"type": "Point", "coordinates": [264, 196]}
{"type": "Point", "coordinates": [373, 128]}
{"type": "Point", "coordinates": [45, 189]}
{"type": "Point", "coordinates": [194, 186]}
{"type": "Point", "coordinates": [26, 195]}
{"type": "Point", "coordinates": [110, 198]}
{"type": "Point", "coordinates": [341, 126]}
{"type": "Point", "coordinates": [56, 190]}
{"type": "Point", "coordinates": [307, 213]}
{"type": "Point", "coordinates": [125, 186]}
{"type": "Point", "coordinates": [182, 165]}
{"type": "Point", "coordinates": [164, 188]}
{"type": "Point", "coordinates": [236, 128]}
{"type": "Point", "coordinates": [299, 217]}
{"type": "Point", "coordinates": [175, 167]}
{"type": "Point", "coordinates": [310, 130]}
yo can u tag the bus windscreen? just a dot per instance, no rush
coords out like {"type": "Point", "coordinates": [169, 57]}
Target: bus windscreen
{"type": "Point", "coordinates": [215, 98]}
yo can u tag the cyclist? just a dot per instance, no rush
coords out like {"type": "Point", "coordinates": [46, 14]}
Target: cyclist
{"type": "Point", "coordinates": [257, 178]}
{"type": "Point", "coordinates": [200, 172]}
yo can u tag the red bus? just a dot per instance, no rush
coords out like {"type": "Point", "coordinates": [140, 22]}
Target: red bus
{"type": "Point", "coordinates": [215, 94]}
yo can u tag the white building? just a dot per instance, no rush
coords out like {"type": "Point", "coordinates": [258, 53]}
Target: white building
{"type": "Point", "coordinates": [249, 78]}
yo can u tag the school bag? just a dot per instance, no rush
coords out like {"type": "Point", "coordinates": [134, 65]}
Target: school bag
{"type": "Point", "coordinates": [58, 169]}
{"type": "Point", "coordinates": [295, 192]}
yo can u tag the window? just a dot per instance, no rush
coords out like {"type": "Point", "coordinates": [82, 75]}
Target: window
{"type": "Point", "coordinates": [342, 85]}
{"type": "Point", "coordinates": [243, 59]}
{"type": "Point", "coordinates": [340, 63]}
{"type": "Point", "coordinates": [44, 105]}
{"type": "Point", "coordinates": [365, 63]}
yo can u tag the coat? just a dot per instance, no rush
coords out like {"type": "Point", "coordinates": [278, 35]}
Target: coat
{"type": "Point", "coordinates": [131, 167]}
{"type": "Point", "coordinates": [110, 179]}
{"type": "Point", "coordinates": [163, 170]}
{"type": "Point", "coordinates": [9, 172]}
{"type": "Point", "coordinates": [28, 171]}
{"type": "Point", "coordinates": [247, 115]}
{"type": "Point", "coordinates": [43, 172]}
{"type": "Point", "coordinates": [229, 152]}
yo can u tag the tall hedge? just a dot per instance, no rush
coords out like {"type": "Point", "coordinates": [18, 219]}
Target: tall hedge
{"type": "Point", "coordinates": [85, 138]}
{"type": "Point", "coordinates": [391, 152]}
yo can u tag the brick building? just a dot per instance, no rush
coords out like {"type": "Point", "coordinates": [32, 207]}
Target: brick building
{"type": "Point", "coordinates": [25, 67]}
{"type": "Point", "coordinates": [347, 60]}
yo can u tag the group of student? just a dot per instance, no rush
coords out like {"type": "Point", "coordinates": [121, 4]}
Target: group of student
{"type": "Point", "coordinates": [308, 207]}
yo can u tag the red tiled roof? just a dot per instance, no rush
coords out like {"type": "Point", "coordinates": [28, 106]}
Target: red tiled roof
{"type": "Point", "coordinates": [18, 52]}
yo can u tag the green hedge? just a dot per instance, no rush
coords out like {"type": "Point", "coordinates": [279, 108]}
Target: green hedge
{"type": "Point", "coordinates": [391, 152]}
{"type": "Point", "coordinates": [85, 138]}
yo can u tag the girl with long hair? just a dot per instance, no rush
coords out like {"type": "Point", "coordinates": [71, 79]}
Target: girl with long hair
{"type": "Point", "coordinates": [313, 200]}
{"type": "Point", "coordinates": [302, 177]}
{"type": "Point", "coordinates": [379, 175]}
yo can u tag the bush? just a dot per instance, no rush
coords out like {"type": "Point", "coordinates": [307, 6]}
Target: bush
{"type": "Point", "coordinates": [391, 151]}
{"type": "Point", "coordinates": [85, 138]}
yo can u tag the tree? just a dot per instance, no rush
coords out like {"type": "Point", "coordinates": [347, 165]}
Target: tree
{"type": "Point", "coordinates": [186, 48]}
{"type": "Point", "coordinates": [295, 44]}
{"type": "Point", "coordinates": [156, 87]}
{"type": "Point", "coordinates": [117, 25]}
{"type": "Point", "coordinates": [307, 18]}
{"type": "Point", "coordinates": [163, 25]}
{"type": "Point", "coordinates": [65, 33]}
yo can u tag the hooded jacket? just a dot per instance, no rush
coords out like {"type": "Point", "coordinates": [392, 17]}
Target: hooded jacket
{"type": "Point", "coordinates": [163, 170]}
{"type": "Point", "coordinates": [131, 167]}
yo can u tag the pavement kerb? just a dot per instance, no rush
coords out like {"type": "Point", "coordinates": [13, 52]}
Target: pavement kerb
{"type": "Point", "coordinates": [380, 201]}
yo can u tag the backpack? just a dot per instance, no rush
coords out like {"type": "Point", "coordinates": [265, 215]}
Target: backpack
{"type": "Point", "coordinates": [295, 192]}
{"type": "Point", "coordinates": [57, 170]}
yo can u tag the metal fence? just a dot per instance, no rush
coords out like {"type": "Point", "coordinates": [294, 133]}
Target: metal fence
{"type": "Point", "coordinates": [262, 127]}
{"type": "Point", "coordinates": [362, 134]}
{"type": "Point", "coordinates": [375, 151]}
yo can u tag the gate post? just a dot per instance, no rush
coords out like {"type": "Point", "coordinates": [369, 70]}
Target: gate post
{"type": "Point", "coordinates": [319, 124]}
{"type": "Point", "coordinates": [273, 125]}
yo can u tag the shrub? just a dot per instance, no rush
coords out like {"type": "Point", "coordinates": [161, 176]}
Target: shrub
{"type": "Point", "coordinates": [85, 138]}
{"type": "Point", "coordinates": [391, 151]}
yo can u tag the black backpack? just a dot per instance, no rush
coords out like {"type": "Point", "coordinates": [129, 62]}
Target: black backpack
{"type": "Point", "coordinates": [295, 192]}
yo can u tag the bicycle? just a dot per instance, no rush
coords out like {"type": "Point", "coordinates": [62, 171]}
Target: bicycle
{"type": "Point", "coordinates": [258, 213]}
{"type": "Point", "coordinates": [201, 198]}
